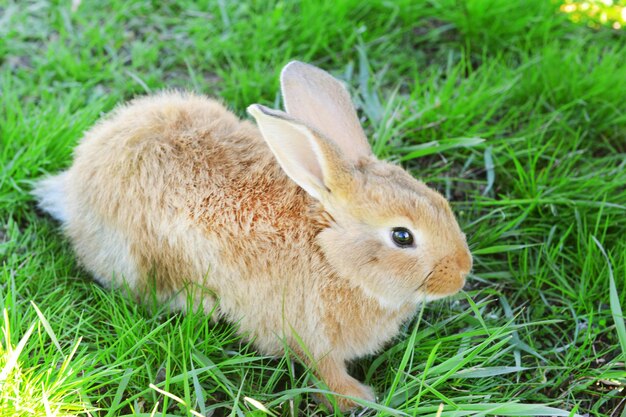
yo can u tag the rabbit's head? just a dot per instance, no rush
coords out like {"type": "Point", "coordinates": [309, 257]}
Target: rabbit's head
{"type": "Point", "coordinates": [389, 233]}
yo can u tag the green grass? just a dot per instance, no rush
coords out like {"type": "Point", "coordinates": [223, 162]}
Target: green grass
{"type": "Point", "coordinates": [514, 112]}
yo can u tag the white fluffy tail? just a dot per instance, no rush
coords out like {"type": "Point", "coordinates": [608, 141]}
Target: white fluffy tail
{"type": "Point", "coordinates": [51, 195]}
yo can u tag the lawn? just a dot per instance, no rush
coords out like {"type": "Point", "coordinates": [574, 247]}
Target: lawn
{"type": "Point", "coordinates": [512, 110]}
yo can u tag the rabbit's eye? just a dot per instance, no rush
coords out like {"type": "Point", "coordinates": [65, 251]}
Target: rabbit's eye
{"type": "Point", "coordinates": [402, 237]}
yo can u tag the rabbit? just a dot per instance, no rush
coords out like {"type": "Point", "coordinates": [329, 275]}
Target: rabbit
{"type": "Point", "coordinates": [291, 228]}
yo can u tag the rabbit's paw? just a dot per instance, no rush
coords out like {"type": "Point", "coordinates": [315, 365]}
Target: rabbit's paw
{"type": "Point", "coordinates": [348, 387]}
{"type": "Point", "coordinates": [353, 388]}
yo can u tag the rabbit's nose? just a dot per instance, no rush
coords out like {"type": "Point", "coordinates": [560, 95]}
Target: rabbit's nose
{"type": "Point", "coordinates": [447, 277]}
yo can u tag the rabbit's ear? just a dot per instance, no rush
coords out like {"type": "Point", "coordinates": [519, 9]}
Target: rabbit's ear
{"type": "Point", "coordinates": [310, 160]}
{"type": "Point", "coordinates": [322, 102]}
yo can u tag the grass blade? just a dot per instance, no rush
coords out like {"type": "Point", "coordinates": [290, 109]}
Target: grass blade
{"type": "Point", "coordinates": [46, 325]}
{"type": "Point", "coordinates": [488, 372]}
{"type": "Point", "coordinates": [15, 353]}
{"type": "Point", "coordinates": [511, 409]}
{"type": "Point", "coordinates": [501, 248]}
{"type": "Point", "coordinates": [616, 309]}
{"type": "Point", "coordinates": [434, 147]}
{"type": "Point", "coordinates": [120, 391]}
{"type": "Point", "coordinates": [489, 169]}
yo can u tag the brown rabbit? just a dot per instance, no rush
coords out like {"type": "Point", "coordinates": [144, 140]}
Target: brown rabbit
{"type": "Point", "coordinates": [294, 226]}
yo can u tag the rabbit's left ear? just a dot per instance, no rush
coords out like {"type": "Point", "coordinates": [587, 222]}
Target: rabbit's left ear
{"type": "Point", "coordinates": [310, 160]}
{"type": "Point", "coordinates": [320, 101]}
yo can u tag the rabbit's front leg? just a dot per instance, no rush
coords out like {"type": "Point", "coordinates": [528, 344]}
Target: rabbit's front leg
{"type": "Point", "coordinates": [333, 372]}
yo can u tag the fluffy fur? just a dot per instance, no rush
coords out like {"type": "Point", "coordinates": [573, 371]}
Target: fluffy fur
{"type": "Point", "coordinates": [288, 225]}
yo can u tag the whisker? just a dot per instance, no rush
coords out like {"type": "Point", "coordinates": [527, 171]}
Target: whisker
{"type": "Point", "coordinates": [425, 280]}
{"type": "Point", "coordinates": [369, 260]}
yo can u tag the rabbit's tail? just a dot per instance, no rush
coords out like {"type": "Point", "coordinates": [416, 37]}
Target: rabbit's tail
{"type": "Point", "coordinates": [52, 196]}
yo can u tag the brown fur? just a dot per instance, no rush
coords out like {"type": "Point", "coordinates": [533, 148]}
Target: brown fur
{"type": "Point", "coordinates": [175, 187]}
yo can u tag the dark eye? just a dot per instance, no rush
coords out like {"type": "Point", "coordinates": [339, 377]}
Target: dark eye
{"type": "Point", "coordinates": [402, 237]}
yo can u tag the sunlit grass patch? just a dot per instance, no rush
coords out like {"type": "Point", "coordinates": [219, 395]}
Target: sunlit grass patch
{"type": "Point", "coordinates": [596, 13]}
{"type": "Point", "coordinates": [30, 386]}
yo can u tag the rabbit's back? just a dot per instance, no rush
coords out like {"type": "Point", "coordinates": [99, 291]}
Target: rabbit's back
{"type": "Point", "coordinates": [177, 189]}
